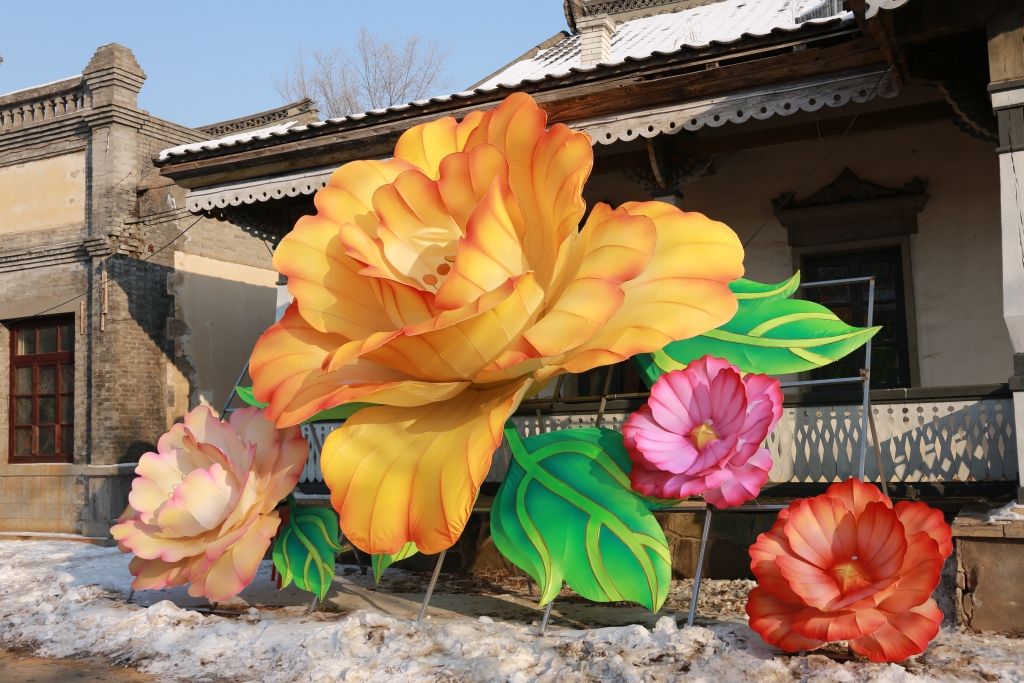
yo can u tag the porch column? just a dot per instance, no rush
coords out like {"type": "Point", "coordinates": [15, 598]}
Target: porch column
{"type": "Point", "coordinates": [1006, 65]}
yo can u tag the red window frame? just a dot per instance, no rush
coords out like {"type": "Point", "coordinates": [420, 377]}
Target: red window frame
{"type": "Point", "coordinates": [42, 386]}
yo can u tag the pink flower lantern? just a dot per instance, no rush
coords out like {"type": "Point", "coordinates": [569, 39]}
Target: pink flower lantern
{"type": "Point", "coordinates": [701, 433]}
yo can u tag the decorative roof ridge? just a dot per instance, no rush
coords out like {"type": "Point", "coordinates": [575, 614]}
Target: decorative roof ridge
{"type": "Point", "coordinates": [623, 10]}
{"type": "Point", "coordinates": [301, 112]}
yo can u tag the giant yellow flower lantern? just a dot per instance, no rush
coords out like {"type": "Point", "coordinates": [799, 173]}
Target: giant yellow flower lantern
{"type": "Point", "coordinates": [442, 284]}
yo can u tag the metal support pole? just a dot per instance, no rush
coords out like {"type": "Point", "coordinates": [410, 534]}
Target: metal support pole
{"type": "Point", "coordinates": [430, 588]}
{"type": "Point", "coordinates": [866, 374]}
{"type": "Point", "coordinates": [700, 567]}
{"type": "Point", "coordinates": [234, 390]}
{"type": "Point", "coordinates": [130, 594]}
{"type": "Point", "coordinates": [312, 605]}
{"type": "Point", "coordinates": [547, 616]}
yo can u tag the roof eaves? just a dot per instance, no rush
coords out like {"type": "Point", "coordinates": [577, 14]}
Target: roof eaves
{"type": "Point", "coordinates": [481, 95]}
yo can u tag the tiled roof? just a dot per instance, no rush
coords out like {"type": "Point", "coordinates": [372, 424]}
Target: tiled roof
{"type": "Point", "coordinates": [721, 22]}
{"type": "Point", "coordinates": [725, 21]}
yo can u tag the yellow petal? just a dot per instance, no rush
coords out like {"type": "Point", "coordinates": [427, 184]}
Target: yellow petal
{"type": "Point", "coordinates": [487, 257]}
{"type": "Point", "coordinates": [286, 367]}
{"type": "Point", "coordinates": [457, 344]}
{"type": "Point", "coordinates": [426, 145]}
{"type": "Point", "coordinates": [416, 230]}
{"type": "Point", "coordinates": [683, 292]}
{"type": "Point", "coordinates": [466, 178]}
{"type": "Point", "coordinates": [547, 171]}
{"type": "Point", "coordinates": [614, 248]}
{"type": "Point", "coordinates": [325, 281]}
{"type": "Point", "coordinates": [230, 573]}
{"type": "Point", "coordinates": [412, 474]}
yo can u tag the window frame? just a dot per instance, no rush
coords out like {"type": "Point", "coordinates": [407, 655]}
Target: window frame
{"type": "Point", "coordinates": [904, 340]}
{"type": "Point", "coordinates": [59, 360]}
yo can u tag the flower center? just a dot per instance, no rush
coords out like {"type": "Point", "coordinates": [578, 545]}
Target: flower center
{"type": "Point", "coordinates": [849, 575]}
{"type": "Point", "coordinates": [432, 280]}
{"type": "Point", "coordinates": [703, 435]}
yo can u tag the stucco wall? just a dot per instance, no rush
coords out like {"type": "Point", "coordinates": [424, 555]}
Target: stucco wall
{"type": "Point", "coordinates": [226, 307]}
{"type": "Point", "coordinates": [43, 194]}
{"type": "Point", "coordinates": [961, 336]}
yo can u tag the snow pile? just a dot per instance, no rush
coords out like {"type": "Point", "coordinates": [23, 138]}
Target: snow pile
{"type": "Point", "coordinates": [66, 599]}
{"type": "Point", "coordinates": [1011, 512]}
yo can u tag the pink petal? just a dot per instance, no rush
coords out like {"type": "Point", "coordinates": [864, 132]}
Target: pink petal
{"type": "Point", "coordinates": [728, 402]}
{"type": "Point", "coordinates": [230, 573]}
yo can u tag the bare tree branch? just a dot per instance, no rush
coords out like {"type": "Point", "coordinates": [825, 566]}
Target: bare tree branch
{"type": "Point", "coordinates": [374, 73]}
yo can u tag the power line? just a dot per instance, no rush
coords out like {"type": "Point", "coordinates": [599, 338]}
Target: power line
{"type": "Point", "coordinates": [137, 263]}
{"type": "Point", "coordinates": [781, 205]}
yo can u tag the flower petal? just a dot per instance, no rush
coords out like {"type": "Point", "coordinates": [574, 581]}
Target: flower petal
{"type": "Point", "coordinates": [821, 531]}
{"type": "Point", "coordinates": [917, 517]}
{"type": "Point", "coordinates": [772, 619]}
{"type": "Point", "coordinates": [230, 573]}
{"type": "Point", "coordinates": [833, 626]}
{"type": "Point", "coordinates": [398, 475]}
{"type": "Point", "coordinates": [881, 541]}
{"type": "Point", "coordinates": [286, 367]}
{"type": "Point", "coordinates": [903, 635]}
{"type": "Point", "coordinates": [813, 585]}
{"type": "Point", "coordinates": [427, 144]}
{"type": "Point", "coordinates": [745, 483]}
{"type": "Point", "coordinates": [613, 248]}
{"type": "Point", "coordinates": [547, 171]}
{"type": "Point", "coordinates": [156, 574]}
{"type": "Point", "coordinates": [456, 345]}
{"type": "Point", "coordinates": [488, 256]}
{"type": "Point", "coordinates": [919, 576]}
{"type": "Point", "coordinates": [856, 495]}
{"type": "Point", "coordinates": [682, 293]}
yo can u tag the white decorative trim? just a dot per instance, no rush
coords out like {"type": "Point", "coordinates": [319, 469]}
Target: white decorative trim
{"type": "Point", "coordinates": [1004, 99]}
{"type": "Point", "coordinates": [259, 190]}
{"type": "Point", "coordinates": [875, 5]}
{"type": "Point", "coordinates": [739, 107]}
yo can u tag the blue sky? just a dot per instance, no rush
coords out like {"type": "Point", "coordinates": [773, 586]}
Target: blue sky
{"type": "Point", "coordinates": [216, 60]}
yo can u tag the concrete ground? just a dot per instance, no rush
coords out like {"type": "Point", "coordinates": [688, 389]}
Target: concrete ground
{"type": "Point", "coordinates": [20, 667]}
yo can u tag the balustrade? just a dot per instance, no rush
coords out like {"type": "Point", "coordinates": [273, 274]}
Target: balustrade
{"type": "Point", "coordinates": [33, 108]}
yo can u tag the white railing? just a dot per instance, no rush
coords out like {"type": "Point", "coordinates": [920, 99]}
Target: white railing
{"type": "Point", "coordinates": [968, 439]}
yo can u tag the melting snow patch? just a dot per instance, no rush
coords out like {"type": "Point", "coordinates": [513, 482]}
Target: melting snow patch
{"type": "Point", "coordinates": [66, 599]}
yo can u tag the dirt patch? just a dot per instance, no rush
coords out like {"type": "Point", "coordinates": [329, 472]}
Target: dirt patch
{"type": "Point", "coordinates": [19, 665]}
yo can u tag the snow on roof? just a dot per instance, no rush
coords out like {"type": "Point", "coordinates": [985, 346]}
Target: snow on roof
{"type": "Point", "coordinates": [694, 27]}
{"type": "Point", "coordinates": [227, 141]}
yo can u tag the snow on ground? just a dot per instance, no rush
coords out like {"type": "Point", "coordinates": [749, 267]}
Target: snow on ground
{"type": "Point", "coordinates": [66, 599]}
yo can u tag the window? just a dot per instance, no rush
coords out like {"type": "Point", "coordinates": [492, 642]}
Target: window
{"type": "Point", "coordinates": [42, 385]}
{"type": "Point", "coordinates": [890, 359]}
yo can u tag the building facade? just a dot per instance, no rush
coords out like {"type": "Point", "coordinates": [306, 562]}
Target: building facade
{"type": "Point", "coordinates": [119, 309]}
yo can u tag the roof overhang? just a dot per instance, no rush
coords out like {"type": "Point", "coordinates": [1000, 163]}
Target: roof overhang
{"type": "Point", "coordinates": [758, 104]}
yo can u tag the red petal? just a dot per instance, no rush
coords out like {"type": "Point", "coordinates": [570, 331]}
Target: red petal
{"type": "Point", "coordinates": [814, 586]}
{"type": "Point", "coordinates": [832, 626]}
{"type": "Point", "coordinates": [919, 517]}
{"type": "Point", "coordinates": [881, 541]}
{"type": "Point", "coordinates": [772, 619]}
{"type": "Point", "coordinates": [903, 635]}
{"type": "Point", "coordinates": [821, 531]}
{"type": "Point", "coordinates": [919, 575]}
{"type": "Point", "coordinates": [855, 495]}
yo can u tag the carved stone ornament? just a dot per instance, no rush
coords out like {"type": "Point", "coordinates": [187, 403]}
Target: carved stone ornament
{"type": "Point", "coordinates": [875, 5]}
{"type": "Point", "coordinates": [851, 210]}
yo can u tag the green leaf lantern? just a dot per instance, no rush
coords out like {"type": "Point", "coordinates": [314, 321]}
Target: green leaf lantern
{"type": "Point", "coordinates": [566, 512]}
{"type": "Point", "coordinates": [383, 561]}
{"type": "Point", "coordinates": [306, 547]}
{"type": "Point", "coordinates": [770, 334]}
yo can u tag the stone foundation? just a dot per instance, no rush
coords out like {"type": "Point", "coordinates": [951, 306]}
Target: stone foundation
{"type": "Point", "coordinates": [990, 564]}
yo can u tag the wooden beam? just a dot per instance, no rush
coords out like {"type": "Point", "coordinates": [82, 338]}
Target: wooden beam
{"type": "Point", "coordinates": [867, 123]}
{"type": "Point", "coordinates": [1006, 45]}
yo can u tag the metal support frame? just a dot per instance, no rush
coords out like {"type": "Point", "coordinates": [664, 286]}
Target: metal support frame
{"type": "Point", "coordinates": [234, 389]}
{"type": "Point", "coordinates": [867, 422]}
{"type": "Point", "coordinates": [430, 586]}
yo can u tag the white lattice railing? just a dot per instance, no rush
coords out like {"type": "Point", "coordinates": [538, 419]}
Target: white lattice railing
{"type": "Point", "coordinates": [926, 441]}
